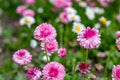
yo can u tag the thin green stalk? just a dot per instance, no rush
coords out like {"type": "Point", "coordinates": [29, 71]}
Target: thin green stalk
{"type": "Point", "coordinates": [107, 60]}
{"type": "Point", "coordinates": [86, 55]}
{"type": "Point", "coordinates": [47, 57]}
{"type": "Point", "coordinates": [61, 36]}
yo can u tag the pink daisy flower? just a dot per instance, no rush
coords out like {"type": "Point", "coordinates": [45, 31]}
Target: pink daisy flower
{"type": "Point", "coordinates": [89, 38]}
{"type": "Point", "coordinates": [84, 68]}
{"type": "Point", "coordinates": [62, 52]}
{"type": "Point", "coordinates": [63, 17]}
{"type": "Point", "coordinates": [116, 73]}
{"type": "Point", "coordinates": [45, 32]}
{"type": "Point", "coordinates": [54, 71]}
{"type": "Point", "coordinates": [28, 12]}
{"type": "Point", "coordinates": [50, 46]}
{"type": "Point", "coordinates": [33, 74]}
{"type": "Point", "coordinates": [22, 57]}
{"type": "Point", "coordinates": [20, 9]}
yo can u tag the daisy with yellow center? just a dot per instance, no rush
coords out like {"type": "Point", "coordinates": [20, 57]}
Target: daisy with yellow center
{"type": "Point", "coordinates": [78, 27]}
{"type": "Point", "coordinates": [74, 17]}
{"type": "Point", "coordinates": [27, 21]}
{"type": "Point", "coordinates": [104, 21]}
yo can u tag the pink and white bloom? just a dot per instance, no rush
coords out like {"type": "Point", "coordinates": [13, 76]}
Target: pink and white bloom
{"type": "Point", "coordinates": [118, 34]}
{"type": "Point", "coordinates": [62, 52]}
{"type": "Point", "coordinates": [54, 71]}
{"type": "Point", "coordinates": [116, 72]}
{"type": "Point", "coordinates": [89, 38]}
{"type": "Point", "coordinates": [45, 32]}
{"type": "Point", "coordinates": [20, 9]}
{"type": "Point", "coordinates": [33, 74]}
{"type": "Point", "coordinates": [84, 68]}
{"type": "Point", "coordinates": [22, 57]}
{"type": "Point", "coordinates": [50, 46]}
{"type": "Point", "coordinates": [29, 12]}
{"type": "Point", "coordinates": [63, 17]}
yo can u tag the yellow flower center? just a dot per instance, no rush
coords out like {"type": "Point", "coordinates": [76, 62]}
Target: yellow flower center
{"type": "Point", "coordinates": [27, 20]}
{"type": "Point", "coordinates": [73, 17]}
{"type": "Point", "coordinates": [103, 21]}
{"type": "Point", "coordinates": [78, 28]}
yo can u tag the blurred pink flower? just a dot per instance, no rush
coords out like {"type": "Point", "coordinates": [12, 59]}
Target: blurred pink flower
{"type": "Point", "coordinates": [118, 18]}
{"type": "Point", "coordinates": [30, 2]}
{"type": "Point", "coordinates": [62, 52]}
{"type": "Point", "coordinates": [116, 73]}
{"type": "Point", "coordinates": [105, 3]}
{"type": "Point", "coordinates": [51, 46]}
{"type": "Point", "coordinates": [118, 34]}
{"type": "Point", "coordinates": [29, 12]}
{"type": "Point", "coordinates": [54, 71]}
{"type": "Point", "coordinates": [77, 0]}
{"type": "Point", "coordinates": [118, 44]}
{"type": "Point", "coordinates": [33, 74]}
{"type": "Point", "coordinates": [20, 9]}
{"type": "Point", "coordinates": [61, 3]}
{"type": "Point", "coordinates": [92, 4]}
{"type": "Point", "coordinates": [84, 68]}
{"type": "Point", "coordinates": [63, 17]}
{"type": "Point", "coordinates": [89, 38]}
{"type": "Point", "coordinates": [45, 32]}
{"type": "Point", "coordinates": [94, 77]}
{"type": "Point", "coordinates": [22, 57]}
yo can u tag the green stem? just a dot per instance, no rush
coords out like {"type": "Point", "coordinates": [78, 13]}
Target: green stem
{"type": "Point", "coordinates": [107, 60]}
{"type": "Point", "coordinates": [47, 57]}
{"type": "Point", "coordinates": [61, 36]}
{"type": "Point", "coordinates": [86, 55]}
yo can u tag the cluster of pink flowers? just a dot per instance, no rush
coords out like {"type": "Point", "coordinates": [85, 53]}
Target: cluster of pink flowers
{"type": "Point", "coordinates": [46, 33]}
{"type": "Point", "coordinates": [61, 3]}
{"type": "Point", "coordinates": [89, 38]}
{"type": "Point", "coordinates": [25, 12]}
{"type": "Point", "coordinates": [51, 71]}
